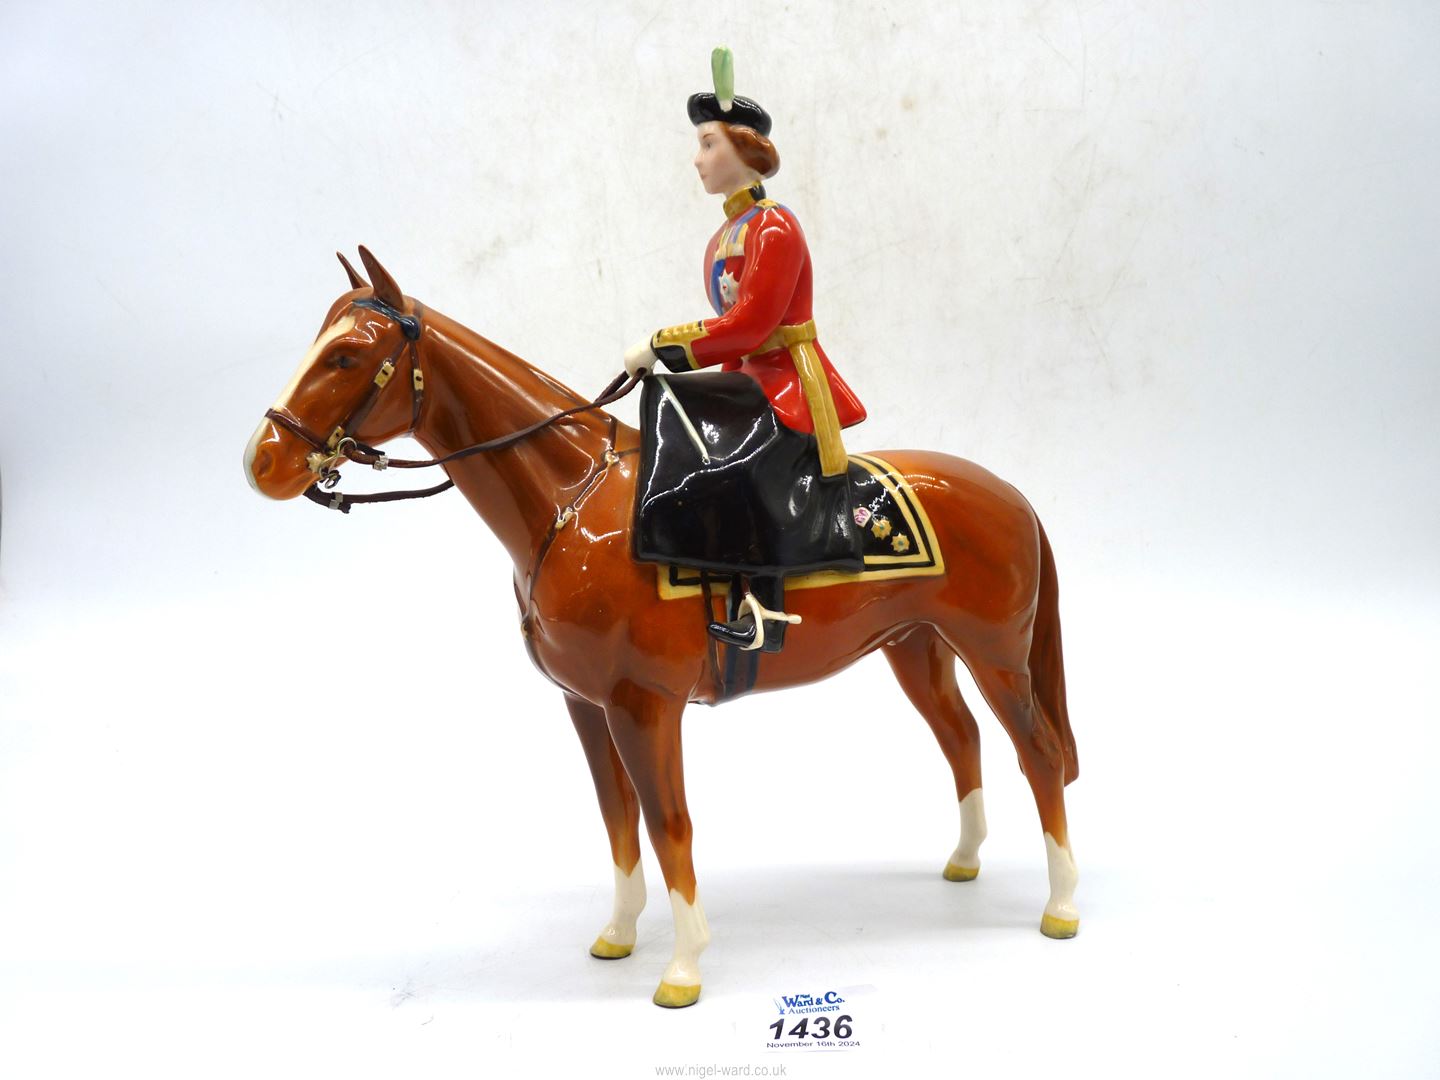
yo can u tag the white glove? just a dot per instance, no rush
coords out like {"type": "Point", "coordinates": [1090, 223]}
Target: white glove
{"type": "Point", "coordinates": [639, 357]}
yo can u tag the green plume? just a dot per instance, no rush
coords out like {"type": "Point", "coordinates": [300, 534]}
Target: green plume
{"type": "Point", "coordinates": [722, 70]}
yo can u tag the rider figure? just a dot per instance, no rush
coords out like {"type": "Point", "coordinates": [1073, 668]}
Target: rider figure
{"type": "Point", "coordinates": [758, 279]}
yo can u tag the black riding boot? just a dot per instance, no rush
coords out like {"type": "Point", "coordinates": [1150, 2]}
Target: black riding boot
{"type": "Point", "coordinates": [740, 630]}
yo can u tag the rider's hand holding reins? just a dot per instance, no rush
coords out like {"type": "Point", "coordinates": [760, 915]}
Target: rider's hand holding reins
{"type": "Point", "coordinates": [639, 357]}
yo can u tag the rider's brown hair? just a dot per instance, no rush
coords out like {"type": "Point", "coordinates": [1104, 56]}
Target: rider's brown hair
{"type": "Point", "coordinates": [754, 149]}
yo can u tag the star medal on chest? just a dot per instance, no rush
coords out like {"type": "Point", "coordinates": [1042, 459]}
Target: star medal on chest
{"type": "Point", "coordinates": [729, 288]}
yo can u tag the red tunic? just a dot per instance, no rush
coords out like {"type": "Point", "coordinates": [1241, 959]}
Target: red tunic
{"type": "Point", "coordinates": [757, 275]}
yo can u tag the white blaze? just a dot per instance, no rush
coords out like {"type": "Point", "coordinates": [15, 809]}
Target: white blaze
{"type": "Point", "coordinates": [250, 449]}
{"type": "Point", "coordinates": [339, 329]}
{"type": "Point", "coordinates": [327, 336]}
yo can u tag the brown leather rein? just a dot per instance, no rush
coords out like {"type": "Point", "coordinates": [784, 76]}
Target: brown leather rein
{"type": "Point", "coordinates": [340, 446]}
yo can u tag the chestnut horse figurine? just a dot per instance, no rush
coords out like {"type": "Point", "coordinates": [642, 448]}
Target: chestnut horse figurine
{"type": "Point", "coordinates": [628, 660]}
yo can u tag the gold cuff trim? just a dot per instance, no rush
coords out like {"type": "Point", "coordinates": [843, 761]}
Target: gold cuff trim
{"type": "Point", "coordinates": [681, 336]}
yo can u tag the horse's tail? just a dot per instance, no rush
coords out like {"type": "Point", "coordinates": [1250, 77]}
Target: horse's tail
{"type": "Point", "coordinates": [1047, 667]}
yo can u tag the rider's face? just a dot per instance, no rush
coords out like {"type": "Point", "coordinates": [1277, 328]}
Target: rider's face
{"type": "Point", "coordinates": [720, 168]}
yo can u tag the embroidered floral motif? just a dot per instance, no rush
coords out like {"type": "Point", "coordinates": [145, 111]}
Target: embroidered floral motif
{"type": "Point", "coordinates": [862, 515]}
{"type": "Point", "coordinates": [880, 527]}
{"type": "Point", "coordinates": [900, 542]}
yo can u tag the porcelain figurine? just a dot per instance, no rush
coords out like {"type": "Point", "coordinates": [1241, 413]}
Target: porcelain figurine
{"type": "Point", "coordinates": [624, 540]}
{"type": "Point", "coordinates": [758, 278]}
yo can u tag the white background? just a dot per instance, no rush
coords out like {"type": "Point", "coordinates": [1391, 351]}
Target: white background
{"type": "Point", "coordinates": [280, 793]}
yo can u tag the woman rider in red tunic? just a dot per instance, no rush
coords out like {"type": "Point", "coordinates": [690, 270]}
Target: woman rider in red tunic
{"type": "Point", "coordinates": [758, 279]}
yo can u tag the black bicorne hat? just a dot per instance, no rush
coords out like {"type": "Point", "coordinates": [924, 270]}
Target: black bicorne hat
{"type": "Point", "coordinates": [706, 106]}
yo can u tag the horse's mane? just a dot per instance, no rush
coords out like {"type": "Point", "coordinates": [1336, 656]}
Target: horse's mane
{"type": "Point", "coordinates": [489, 357]}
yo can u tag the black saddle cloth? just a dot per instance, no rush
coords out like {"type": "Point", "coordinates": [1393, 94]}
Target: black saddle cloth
{"type": "Point", "coordinates": [759, 506]}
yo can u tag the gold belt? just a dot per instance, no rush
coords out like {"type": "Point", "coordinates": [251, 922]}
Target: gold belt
{"type": "Point", "coordinates": [783, 337]}
{"type": "Point", "coordinates": [799, 338]}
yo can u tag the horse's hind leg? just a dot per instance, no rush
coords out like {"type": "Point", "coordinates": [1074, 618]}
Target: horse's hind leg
{"type": "Point", "coordinates": [621, 811]}
{"type": "Point", "coordinates": [1038, 744]}
{"type": "Point", "coordinates": [925, 668]}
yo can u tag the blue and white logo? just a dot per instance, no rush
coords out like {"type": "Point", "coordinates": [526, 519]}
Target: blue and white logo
{"type": "Point", "coordinates": [829, 1001]}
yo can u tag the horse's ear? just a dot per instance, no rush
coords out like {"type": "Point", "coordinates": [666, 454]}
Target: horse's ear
{"type": "Point", "coordinates": [356, 281]}
{"type": "Point", "coordinates": [385, 287]}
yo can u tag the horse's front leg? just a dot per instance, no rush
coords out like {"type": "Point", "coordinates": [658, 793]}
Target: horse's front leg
{"type": "Point", "coordinates": [645, 725]}
{"type": "Point", "coordinates": [622, 821]}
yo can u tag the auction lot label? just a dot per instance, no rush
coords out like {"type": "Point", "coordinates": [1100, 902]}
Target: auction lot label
{"type": "Point", "coordinates": [839, 1018]}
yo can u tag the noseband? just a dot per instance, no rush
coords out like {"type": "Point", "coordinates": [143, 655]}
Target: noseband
{"type": "Point", "coordinates": [341, 445]}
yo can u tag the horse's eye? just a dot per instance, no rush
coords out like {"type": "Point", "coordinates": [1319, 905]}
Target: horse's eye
{"type": "Point", "coordinates": [345, 362]}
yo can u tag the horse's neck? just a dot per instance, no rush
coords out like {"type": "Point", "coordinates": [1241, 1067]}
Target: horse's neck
{"type": "Point", "coordinates": [476, 391]}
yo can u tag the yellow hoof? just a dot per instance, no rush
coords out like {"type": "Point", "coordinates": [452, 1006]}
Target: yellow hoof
{"type": "Point", "coordinates": [955, 872]}
{"type": "Point", "coordinates": [608, 950]}
{"type": "Point", "coordinates": [1050, 926]}
{"type": "Point", "coordinates": [676, 997]}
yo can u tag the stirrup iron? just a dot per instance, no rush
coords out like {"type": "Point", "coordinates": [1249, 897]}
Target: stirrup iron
{"type": "Point", "coordinates": [760, 613]}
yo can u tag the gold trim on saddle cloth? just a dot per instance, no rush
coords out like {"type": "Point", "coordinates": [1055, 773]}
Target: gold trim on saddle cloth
{"type": "Point", "coordinates": [923, 560]}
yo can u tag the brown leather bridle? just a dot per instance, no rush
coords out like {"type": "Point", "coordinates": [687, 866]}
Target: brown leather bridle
{"type": "Point", "coordinates": [340, 445]}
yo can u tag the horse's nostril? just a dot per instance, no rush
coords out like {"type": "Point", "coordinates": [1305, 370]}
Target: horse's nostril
{"type": "Point", "coordinates": [262, 464]}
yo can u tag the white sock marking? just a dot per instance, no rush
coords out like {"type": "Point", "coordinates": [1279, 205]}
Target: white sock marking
{"type": "Point", "coordinates": [1063, 876]}
{"type": "Point", "coordinates": [692, 934]}
{"type": "Point", "coordinates": [629, 902]}
{"type": "Point", "coordinates": [972, 831]}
